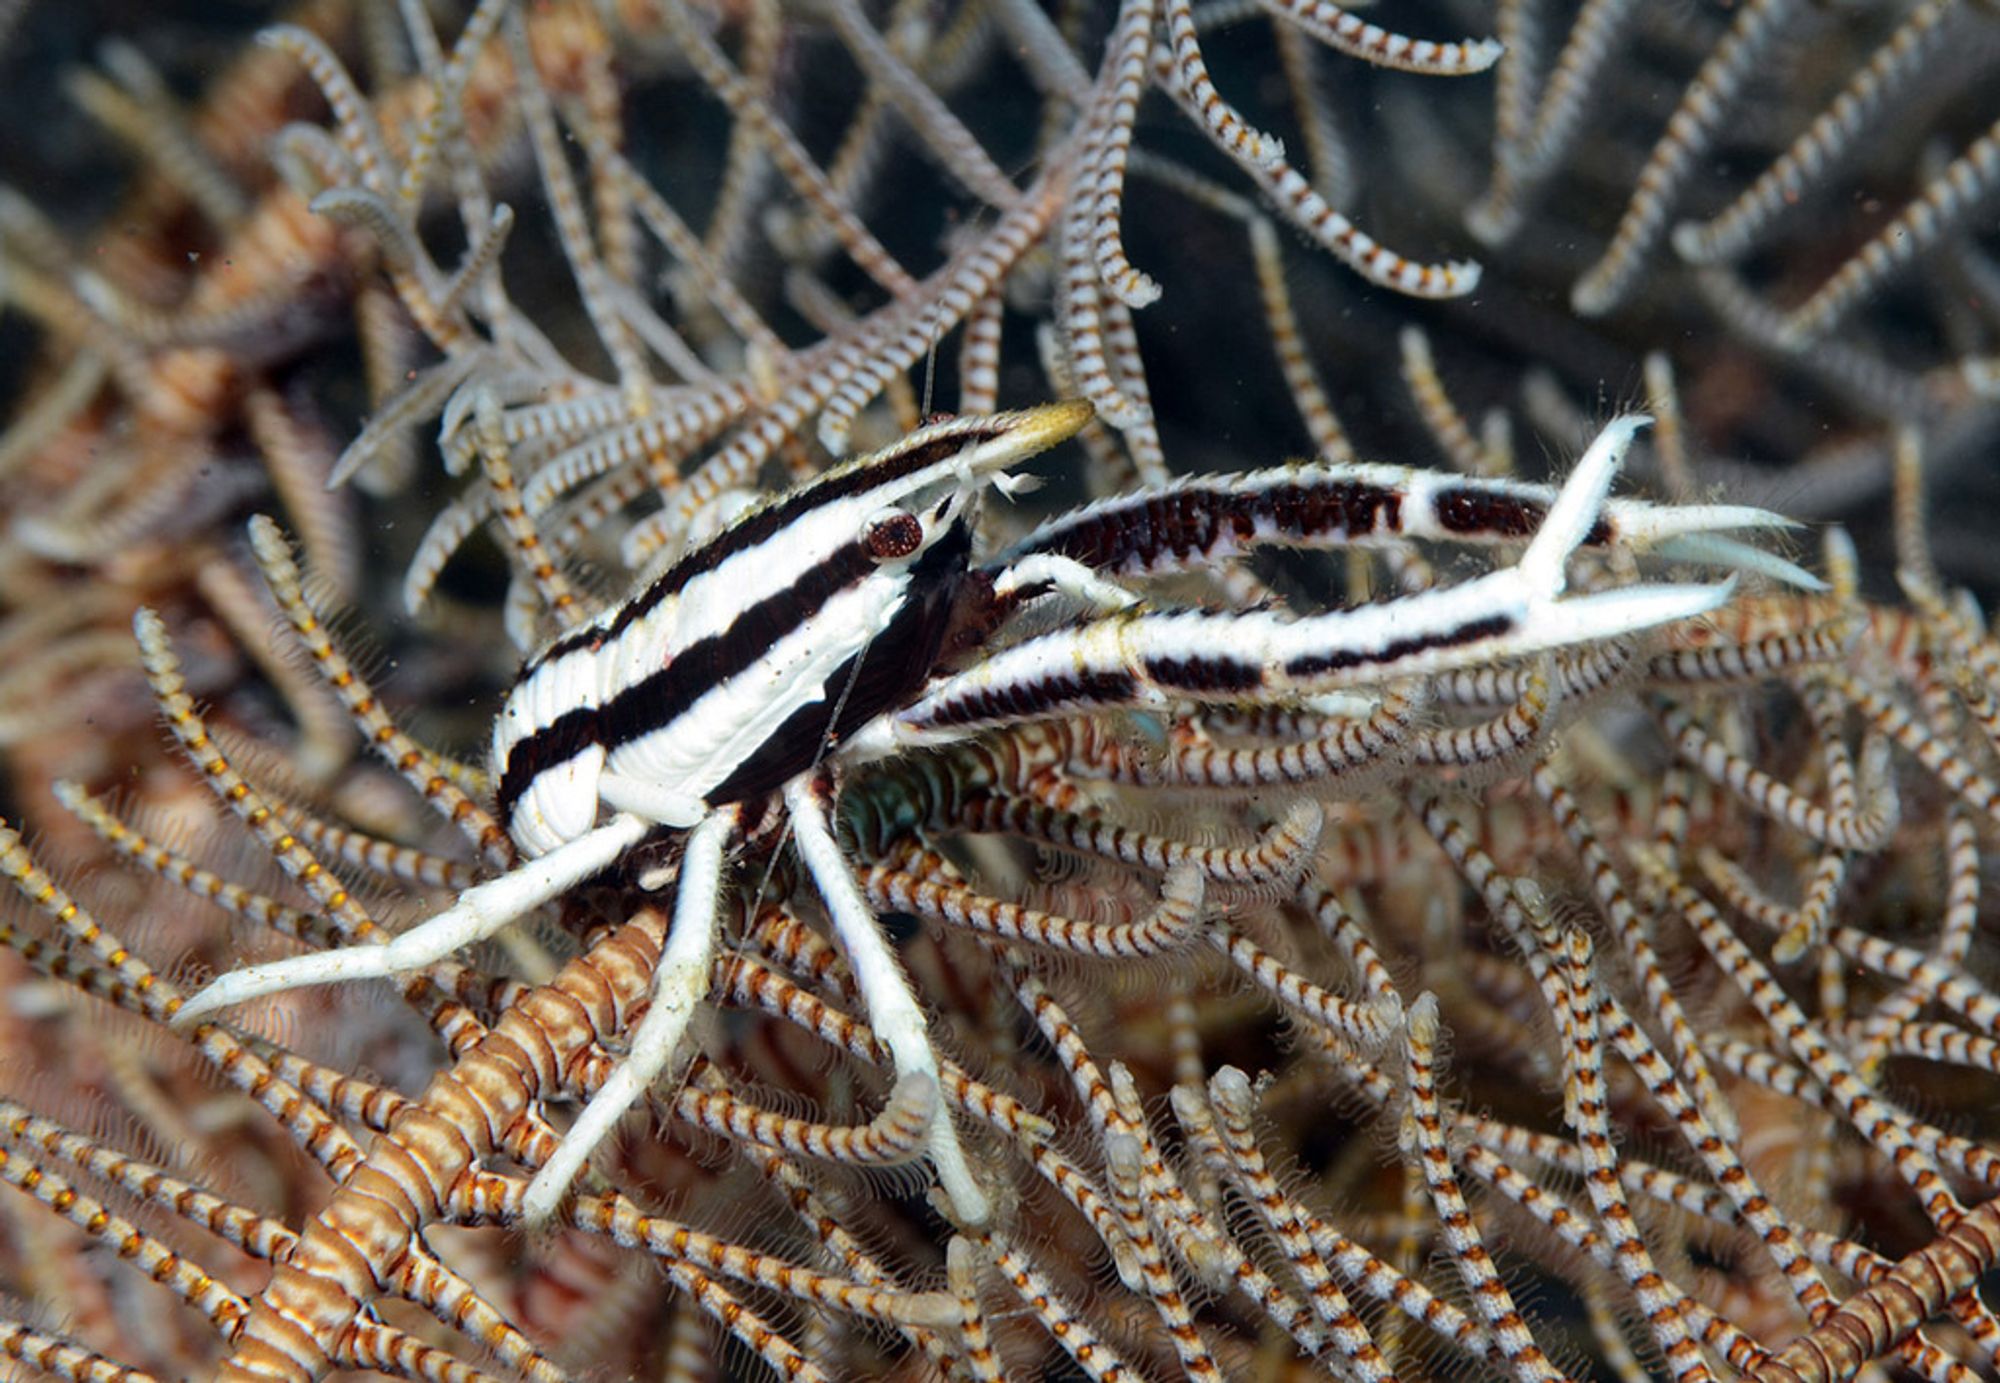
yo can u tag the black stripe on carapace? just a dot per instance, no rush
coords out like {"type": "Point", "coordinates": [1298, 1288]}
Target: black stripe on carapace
{"type": "Point", "coordinates": [759, 526]}
{"type": "Point", "coordinates": [655, 701]}
{"type": "Point", "coordinates": [567, 736]}
{"type": "Point", "coordinates": [1205, 674]}
{"type": "Point", "coordinates": [1184, 523]}
{"type": "Point", "coordinates": [891, 670]}
{"type": "Point", "coordinates": [1484, 513]}
{"type": "Point", "coordinates": [1027, 699]}
{"type": "Point", "coordinates": [1319, 664]}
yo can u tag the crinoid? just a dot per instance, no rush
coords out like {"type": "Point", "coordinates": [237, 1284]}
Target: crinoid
{"type": "Point", "coordinates": [1747, 90]}
{"type": "Point", "coordinates": [1784, 200]}
{"type": "Point", "coordinates": [1238, 917]}
{"type": "Point", "coordinates": [1353, 878]}
{"type": "Point", "coordinates": [854, 689]}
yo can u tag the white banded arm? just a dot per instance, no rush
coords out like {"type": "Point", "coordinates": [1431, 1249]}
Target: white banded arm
{"type": "Point", "coordinates": [1198, 520]}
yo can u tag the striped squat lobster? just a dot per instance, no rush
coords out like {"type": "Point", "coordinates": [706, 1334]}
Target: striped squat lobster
{"type": "Point", "coordinates": [834, 624]}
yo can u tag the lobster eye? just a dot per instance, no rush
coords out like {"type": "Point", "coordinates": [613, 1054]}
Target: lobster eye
{"type": "Point", "coordinates": [893, 536]}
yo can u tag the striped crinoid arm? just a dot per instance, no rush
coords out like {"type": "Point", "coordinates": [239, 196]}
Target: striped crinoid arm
{"type": "Point", "coordinates": [674, 1243]}
{"type": "Point", "coordinates": [203, 276]}
{"type": "Point", "coordinates": [1585, 1101]}
{"type": "Point", "coordinates": [1294, 198]}
{"type": "Point", "coordinates": [1169, 927]}
{"type": "Point", "coordinates": [1233, 1107]}
{"type": "Point", "coordinates": [954, 147]}
{"type": "Point", "coordinates": [828, 1227]}
{"type": "Point", "coordinates": [1179, 70]}
{"type": "Point", "coordinates": [652, 422]}
{"type": "Point", "coordinates": [1350, 34]}
{"type": "Point", "coordinates": [1363, 1024]}
{"type": "Point", "coordinates": [1902, 1141]}
{"type": "Point", "coordinates": [449, 787]}
{"type": "Point", "coordinates": [1275, 861]}
{"type": "Point", "coordinates": [1441, 415]}
{"type": "Point", "coordinates": [1058, 1318]}
{"type": "Point", "coordinates": [1423, 1139]}
{"type": "Point", "coordinates": [1809, 142]}
{"type": "Point", "coordinates": [1561, 964]}
{"type": "Point", "coordinates": [544, 1044]}
{"type": "Point", "coordinates": [222, 1307]}
{"type": "Point", "coordinates": [894, 1136]}
{"type": "Point", "coordinates": [1859, 829]}
{"type": "Point", "coordinates": [38, 1145]}
{"type": "Point", "coordinates": [1693, 125]}
{"type": "Point", "coordinates": [787, 154]}
{"type": "Point", "coordinates": [1903, 966]}
{"type": "Point", "coordinates": [1142, 1230]}
{"type": "Point", "coordinates": [1827, 142]}
{"type": "Point", "coordinates": [343, 912]}
{"type": "Point", "coordinates": [1942, 205]}
{"type": "Point", "coordinates": [368, 1228]}
{"type": "Point", "coordinates": [1904, 701]}
{"type": "Point", "coordinates": [1106, 149]}
{"type": "Point", "coordinates": [594, 282]}
{"type": "Point", "coordinates": [126, 982]}
{"type": "Point", "coordinates": [542, 589]}
{"type": "Point", "coordinates": [746, 983]}
{"type": "Point", "coordinates": [556, 63]}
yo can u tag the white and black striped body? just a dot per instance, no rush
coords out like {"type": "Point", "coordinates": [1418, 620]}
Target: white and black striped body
{"type": "Point", "coordinates": [824, 624]}
{"type": "Point", "coordinates": [737, 667]}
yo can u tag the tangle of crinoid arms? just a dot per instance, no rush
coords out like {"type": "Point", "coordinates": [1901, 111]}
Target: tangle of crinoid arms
{"type": "Point", "coordinates": [1304, 891]}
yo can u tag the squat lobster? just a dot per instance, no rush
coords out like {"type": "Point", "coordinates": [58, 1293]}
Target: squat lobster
{"type": "Point", "coordinates": [814, 628]}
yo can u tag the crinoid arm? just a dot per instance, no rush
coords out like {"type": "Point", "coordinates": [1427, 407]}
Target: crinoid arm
{"type": "Point", "coordinates": [480, 912]}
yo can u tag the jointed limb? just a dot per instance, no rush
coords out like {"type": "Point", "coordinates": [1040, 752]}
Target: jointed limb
{"type": "Point", "coordinates": [1065, 576]}
{"type": "Point", "coordinates": [892, 1007]}
{"type": "Point", "coordinates": [1198, 521]}
{"type": "Point", "coordinates": [1145, 659]}
{"type": "Point", "coordinates": [655, 803]}
{"type": "Point", "coordinates": [680, 982]}
{"type": "Point", "coordinates": [479, 912]}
